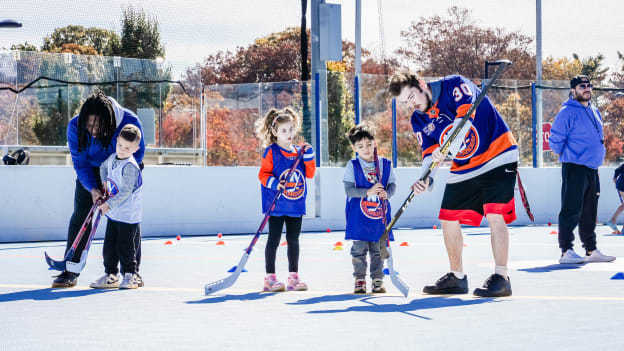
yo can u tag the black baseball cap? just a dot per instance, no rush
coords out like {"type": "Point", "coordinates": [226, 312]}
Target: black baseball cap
{"type": "Point", "coordinates": [581, 78]}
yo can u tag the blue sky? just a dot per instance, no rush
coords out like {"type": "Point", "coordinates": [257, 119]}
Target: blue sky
{"type": "Point", "coordinates": [191, 30]}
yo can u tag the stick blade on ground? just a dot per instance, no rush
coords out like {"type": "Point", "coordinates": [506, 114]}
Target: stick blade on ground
{"type": "Point", "coordinates": [225, 283]}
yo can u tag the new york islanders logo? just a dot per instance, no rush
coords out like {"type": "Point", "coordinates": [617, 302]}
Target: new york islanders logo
{"type": "Point", "coordinates": [111, 187]}
{"type": "Point", "coordinates": [295, 186]}
{"type": "Point", "coordinates": [469, 146]}
{"type": "Point", "coordinates": [371, 207]}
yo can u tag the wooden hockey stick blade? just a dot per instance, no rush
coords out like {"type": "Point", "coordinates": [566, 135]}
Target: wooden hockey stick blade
{"type": "Point", "coordinates": [225, 283]}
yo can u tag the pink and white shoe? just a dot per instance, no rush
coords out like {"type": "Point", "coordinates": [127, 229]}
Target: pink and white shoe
{"type": "Point", "coordinates": [294, 284]}
{"type": "Point", "coordinates": [272, 284]}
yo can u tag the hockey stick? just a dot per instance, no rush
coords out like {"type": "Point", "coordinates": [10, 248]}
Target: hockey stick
{"type": "Point", "coordinates": [69, 255]}
{"type": "Point", "coordinates": [394, 278]}
{"type": "Point", "coordinates": [77, 267]}
{"type": "Point", "coordinates": [447, 144]}
{"type": "Point", "coordinates": [525, 200]}
{"type": "Point", "coordinates": [231, 279]}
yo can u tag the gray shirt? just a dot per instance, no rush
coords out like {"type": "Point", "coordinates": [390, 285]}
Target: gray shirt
{"type": "Point", "coordinates": [369, 168]}
{"type": "Point", "coordinates": [130, 174]}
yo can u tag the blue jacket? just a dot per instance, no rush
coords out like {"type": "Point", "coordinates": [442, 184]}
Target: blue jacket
{"type": "Point", "coordinates": [87, 163]}
{"type": "Point", "coordinates": [577, 135]}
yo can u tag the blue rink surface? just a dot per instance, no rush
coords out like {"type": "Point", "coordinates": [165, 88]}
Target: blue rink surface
{"type": "Point", "coordinates": [553, 307]}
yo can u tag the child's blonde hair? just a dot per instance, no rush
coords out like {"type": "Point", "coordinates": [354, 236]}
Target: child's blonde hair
{"type": "Point", "coordinates": [270, 122]}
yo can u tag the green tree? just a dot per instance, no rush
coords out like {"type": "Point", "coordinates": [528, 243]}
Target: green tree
{"type": "Point", "coordinates": [50, 127]}
{"type": "Point", "coordinates": [592, 67]}
{"type": "Point", "coordinates": [140, 35]}
{"type": "Point", "coordinates": [24, 47]}
{"type": "Point", "coordinates": [104, 42]}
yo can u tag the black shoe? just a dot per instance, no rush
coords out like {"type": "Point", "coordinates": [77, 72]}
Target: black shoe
{"type": "Point", "coordinates": [448, 284]}
{"type": "Point", "coordinates": [65, 280]}
{"type": "Point", "coordinates": [495, 286]}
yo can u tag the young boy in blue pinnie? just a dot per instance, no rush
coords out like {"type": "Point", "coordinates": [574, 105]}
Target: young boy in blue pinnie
{"type": "Point", "coordinates": [365, 194]}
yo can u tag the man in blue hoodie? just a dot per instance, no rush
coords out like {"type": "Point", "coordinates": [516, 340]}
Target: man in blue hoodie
{"type": "Point", "coordinates": [577, 137]}
{"type": "Point", "coordinates": [91, 137]}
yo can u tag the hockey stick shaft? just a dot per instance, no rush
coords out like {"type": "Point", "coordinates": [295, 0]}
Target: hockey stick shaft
{"type": "Point", "coordinates": [394, 278]}
{"type": "Point", "coordinates": [523, 197]}
{"type": "Point", "coordinates": [445, 147]}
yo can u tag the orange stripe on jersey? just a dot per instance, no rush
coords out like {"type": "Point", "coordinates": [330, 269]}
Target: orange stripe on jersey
{"type": "Point", "coordinates": [499, 145]}
{"type": "Point", "coordinates": [310, 167]}
{"type": "Point", "coordinates": [429, 150]}
{"type": "Point", "coordinates": [266, 167]}
{"type": "Point", "coordinates": [463, 109]}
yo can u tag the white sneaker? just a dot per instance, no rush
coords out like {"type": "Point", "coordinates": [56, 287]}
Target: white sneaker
{"type": "Point", "coordinates": [571, 257]}
{"type": "Point", "coordinates": [597, 256]}
{"type": "Point", "coordinates": [129, 281]}
{"type": "Point", "coordinates": [107, 281]}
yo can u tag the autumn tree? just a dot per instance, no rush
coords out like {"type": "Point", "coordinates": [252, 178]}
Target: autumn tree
{"type": "Point", "coordinates": [455, 44]}
{"type": "Point", "coordinates": [103, 42]}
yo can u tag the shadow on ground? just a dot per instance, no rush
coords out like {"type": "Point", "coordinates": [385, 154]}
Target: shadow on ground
{"type": "Point", "coordinates": [552, 268]}
{"type": "Point", "coordinates": [244, 297]}
{"type": "Point", "coordinates": [49, 294]}
{"type": "Point", "coordinates": [408, 308]}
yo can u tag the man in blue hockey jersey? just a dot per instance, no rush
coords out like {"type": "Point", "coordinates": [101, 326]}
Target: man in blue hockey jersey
{"type": "Point", "coordinates": [482, 175]}
{"type": "Point", "coordinates": [91, 137]}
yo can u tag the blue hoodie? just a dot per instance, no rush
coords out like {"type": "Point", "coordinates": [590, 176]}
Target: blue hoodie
{"type": "Point", "coordinates": [577, 135]}
{"type": "Point", "coordinates": [87, 163]}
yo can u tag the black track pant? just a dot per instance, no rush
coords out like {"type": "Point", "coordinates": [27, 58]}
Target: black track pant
{"type": "Point", "coordinates": [293, 229]}
{"type": "Point", "coordinates": [119, 247]}
{"type": "Point", "coordinates": [580, 189]}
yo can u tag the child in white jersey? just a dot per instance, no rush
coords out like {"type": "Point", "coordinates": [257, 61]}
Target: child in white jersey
{"type": "Point", "coordinates": [123, 210]}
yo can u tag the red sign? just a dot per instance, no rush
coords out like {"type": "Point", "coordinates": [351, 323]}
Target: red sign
{"type": "Point", "coordinates": [546, 136]}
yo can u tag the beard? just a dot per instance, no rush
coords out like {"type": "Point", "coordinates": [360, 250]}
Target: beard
{"type": "Point", "coordinates": [581, 98]}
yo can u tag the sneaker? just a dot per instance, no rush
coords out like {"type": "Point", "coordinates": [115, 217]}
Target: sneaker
{"type": "Point", "coordinates": [360, 286]}
{"type": "Point", "coordinates": [495, 286]}
{"type": "Point", "coordinates": [612, 226]}
{"type": "Point", "coordinates": [294, 284]}
{"type": "Point", "coordinates": [107, 281]}
{"type": "Point", "coordinates": [597, 256]}
{"type": "Point", "coordinates": [448, 284]}
{"type": "Point", "coordinates": [129, 281]}
{"type": "Point", "coordinates": [378, 286]}
{"type": "Point", "coordinates": [139, 280]}
{"type": "Point", "coordinates": [272, 284]}
{"type": "Point", "coordinates": [570, 257]}
{"type": "Point", "coordinates": [65, 280]}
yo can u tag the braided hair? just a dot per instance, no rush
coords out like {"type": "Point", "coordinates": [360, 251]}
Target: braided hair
{"type": "Point", "coordinates": [98, 105]}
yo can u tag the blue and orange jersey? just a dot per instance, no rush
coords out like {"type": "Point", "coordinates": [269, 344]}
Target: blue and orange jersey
{"type": "Point", "coordinates": [487, 145]}
{"type": "Point", "coordinates": [276, 162]}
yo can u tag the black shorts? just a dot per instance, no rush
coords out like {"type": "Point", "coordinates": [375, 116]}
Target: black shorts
{"type": "Point", "coordinates": [490, 192]}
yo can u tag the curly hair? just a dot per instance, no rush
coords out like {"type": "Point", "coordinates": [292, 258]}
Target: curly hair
{"type": "Point", "coordinates": [266, 126]}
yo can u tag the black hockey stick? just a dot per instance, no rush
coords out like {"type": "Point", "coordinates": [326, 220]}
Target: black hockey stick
{"type": "Point", "coordinates": [394, 278]}
{"type": "Point", "coordinates": [447, 144]}
{"type": "Point", "coordinates": [231, 279]}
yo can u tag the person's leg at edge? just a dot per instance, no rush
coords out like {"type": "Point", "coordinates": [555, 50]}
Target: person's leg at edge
{"type": "Point", "coordinates": [454, 242]}
{"type": "Point", "coordinates": [499, 239]}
